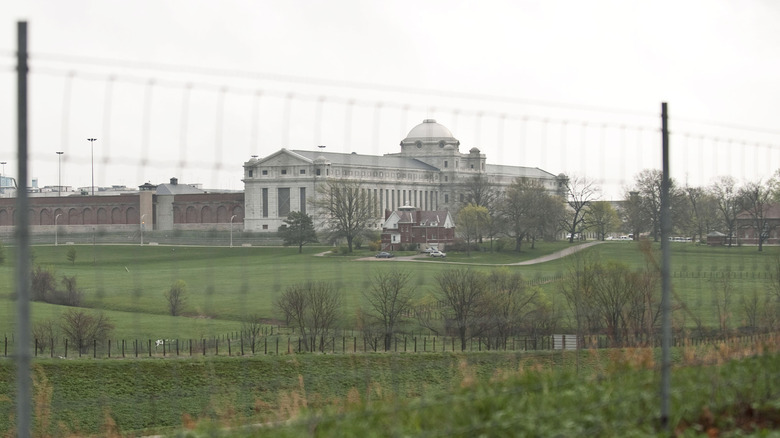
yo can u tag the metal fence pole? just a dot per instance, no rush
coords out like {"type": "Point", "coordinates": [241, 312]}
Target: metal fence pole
{"type": "Point", "coordinates": [22, 351]}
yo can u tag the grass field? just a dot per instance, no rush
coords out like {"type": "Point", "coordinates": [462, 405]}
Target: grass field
{"type": "Point", "coordinates": [226, 284]}
{"type": "Point", "coordinates": [411, 395]}
{"type": "Point", "coordinates": [590, 393]}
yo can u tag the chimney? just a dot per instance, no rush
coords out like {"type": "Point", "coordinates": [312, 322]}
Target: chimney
{"type": "Point", "coordinates": [174, 181]}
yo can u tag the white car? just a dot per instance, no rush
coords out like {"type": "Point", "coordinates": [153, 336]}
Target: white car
{"type": "Point", "coordinates": [437, 253]}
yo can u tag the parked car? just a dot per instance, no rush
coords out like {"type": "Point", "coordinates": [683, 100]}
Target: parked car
{"type": "Point", "coordinates": [384, 255]}
{"type": "Point", "coordinates": [428, 250]}
{"type": "Point", "coordinates": [437, 253]}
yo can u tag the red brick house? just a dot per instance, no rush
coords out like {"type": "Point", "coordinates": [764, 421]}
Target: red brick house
{"type": "Point", "coordinates": [421, 229]}
{"type": "Point", "coordinates": [768, 219]}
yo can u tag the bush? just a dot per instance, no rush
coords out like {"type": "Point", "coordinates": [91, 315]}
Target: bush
{"type": "Point", "coordinates": [176, 297]}
{"type": "Point", "coordinates": [42, 283]}
{"type": "Point", "coordinates": [71, 295]}
{"type": "Point", "coordinates": [83, 329]}
{"type": "Point", "coordinates": [374, 245]}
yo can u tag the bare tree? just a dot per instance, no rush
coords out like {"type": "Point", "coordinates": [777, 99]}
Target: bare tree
{"type": "Point", "coordinates": [43, 283]}
{"type": "Point", "coordinates": [722, 289]}
{"type": "Point", "coordinates": [727, 196]}
{"type": "Point", "coordinates": [45, 333]}
{"type": "Point", "coordinates": [700, 212]}
{"type": "Point", "coordinates": [580, 192]}
{"type": "Point", "coordinates": [312, 308]}
{"type": "Point", "coordinates": [83, 328]}
{"type": "Point", "coordinates": [507, 304]}
{"type": "Point", "coordinates": [471, 219]}
{"type": "Point", "coordinates": [252, 328]}
{"type": "Point", "coordinates": [602, 218]}
{"type": "Point", "coordinates": [755, 199]}
{"type": "Point", "coordinates": [526, 210]}
{"type": "Point", "coordinates": [389, 298]}
{"type": "Point", "coordinates": [176, 297]}
{"type": "Point", "coordinates": [462, 291]}
{"type": "Point", "coordinates": [346, 209]}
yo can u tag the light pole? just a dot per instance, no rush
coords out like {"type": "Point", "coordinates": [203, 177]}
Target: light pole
{"type": "Point", "coordinates": [142, 229]}
{"type": "Point", "coordinates": [92, 150]}
{"type": "Point", "coordinates": [231, 230]}
{"type": "Point", "coordinates": [59, 173]}
{"type": "Point", "coordinates": [55, 228]}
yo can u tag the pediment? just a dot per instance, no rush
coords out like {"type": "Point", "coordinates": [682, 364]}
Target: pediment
{"type": "Point", "coordinates": [283, 158]}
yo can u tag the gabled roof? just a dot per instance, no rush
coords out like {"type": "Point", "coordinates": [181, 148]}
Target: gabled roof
{"type": "Point", "coordinates": [436, 218]}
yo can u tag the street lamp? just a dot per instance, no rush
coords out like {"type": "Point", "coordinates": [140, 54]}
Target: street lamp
{"type": "Point", "coordinates": [231, 230]}
{"type": "Point", "coordinates": [55, 228]}
{"type": "Point", "coordinates": [59, 173]}
{"type": "Point", "coordinates": [92, 150]}
{"type": "Point", "coordinates": [142, 229]}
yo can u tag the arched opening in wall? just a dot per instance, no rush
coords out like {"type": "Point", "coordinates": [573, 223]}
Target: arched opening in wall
{"type": "Point", "coordinates": [239, 213]}
{"type": "Point", "coordinates": [46, 217]}
{"type": "Point", "coordinates": [102, 216]}
{"type": "Point", "coordinates": [88, 216]}
{"type": "Point", "coordinates": [116, 216]}
{"type": "Point", "coordinates": [62, 219]}
{"type": "Point", "coordinates": [5, 218]}
{"type": "Point", "coordinates": [177, 215]}
{"type": "Point", "coordinates": [32, 218]}
{"type": "Point", "coordinates": [222, 214]}
{"type": "Point", "coordinates": [206, 216]}
{"type": "Point", "coordinates": [192, 215]}
{"type": "Point", "coordinates": [74, 218]}
{"type": "Point", "coordinates": [132, 216]}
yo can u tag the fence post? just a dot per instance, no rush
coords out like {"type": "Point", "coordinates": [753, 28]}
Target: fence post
{"type": "Point", "coordinates": [36, 347]}
{"type": "Point", "coordinates": [216, 347]}
{"type": "Point", "coordinates": [94, 348]}
{"type": "Point", "coordinates": [51, 350]}
{"type": "Point", "coordinates": [109, 348]}
{"type": "Point", "coordinates": [415, 344]}
{"type": "Point", "coordinates": [66, 348]}
{"type": "Point", "coordinates": [229, 349]}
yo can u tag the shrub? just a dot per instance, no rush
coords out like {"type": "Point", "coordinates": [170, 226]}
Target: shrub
{"type": "Point", "coordinates": [83, 329]}
{"type": "Point", "coordinates": [176, 297]}
{"type": "Point", "coordinates": [71, 255]}
{"type": "Point", "coordinates": [71, 295]}
{"type": "Point", "coordinates": [42, 283]}
{"type": "Point", "coordinates": [374, 245]}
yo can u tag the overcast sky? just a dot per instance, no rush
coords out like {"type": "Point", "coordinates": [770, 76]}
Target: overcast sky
{"type": "Point", "coordinates": [558, 69]}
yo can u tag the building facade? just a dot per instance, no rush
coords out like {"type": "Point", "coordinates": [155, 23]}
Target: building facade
{"type": "Point", "coordinates": [161, 207]}
{"type": "Point", "coordinates": [421, 229]}
{"type": "Point", "coordinates": [429, 173]}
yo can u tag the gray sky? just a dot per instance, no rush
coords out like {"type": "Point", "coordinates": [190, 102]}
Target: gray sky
{"type": "Point", "coordinates": [554, 67]}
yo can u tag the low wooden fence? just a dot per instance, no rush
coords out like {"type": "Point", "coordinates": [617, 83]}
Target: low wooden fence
{"type": "Point", "coordinates": [280, 344]}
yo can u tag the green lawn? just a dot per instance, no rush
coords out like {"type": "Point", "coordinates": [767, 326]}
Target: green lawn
{"type": "Point", "coordinates": [225, 284]}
